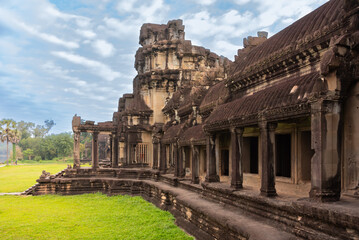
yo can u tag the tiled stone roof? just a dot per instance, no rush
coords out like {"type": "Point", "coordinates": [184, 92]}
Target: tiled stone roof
{"type": "Point", "coordinates": [288, 96]}
{"type": "Point", "coordinates": [217, 94]}
{"type": "Point", "coordinates": [172, 133]}
{"type": "Point", "coordinates": [314, 24]}
{"type": "Point", "coordinates": [138, 106]}
{"type": "Point", "coordinates": [193, 135]}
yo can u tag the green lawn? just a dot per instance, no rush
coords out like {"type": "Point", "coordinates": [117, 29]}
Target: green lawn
{"type": "Point", "coordinates": [89, 216]}
{"type": "Point", "coordinates": [20, 177]}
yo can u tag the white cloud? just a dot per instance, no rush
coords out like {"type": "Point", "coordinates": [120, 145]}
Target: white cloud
{"type": "Point", "coordinates": [287, 21]}
{"type": "Point", "coordinates": [74, 91]}
{"type": "Point", "coordinates": [8, 47]}
{"type": "Point", "coordinates": [230, 24]}
{"type": "Point", "coordinates": [241, 2]}
{"type": "Point", "coordinates": [103, 48]}
{"type": "Point", "coordinates": [206, 2]}
{"type": "Point", "coordinates": [15, 70]}
{"type": "Point", "coordinates": [126, 6]}
{"type": "Point", "coordinates": [272, 11]}
{"type": "Point", "coordinates": [80, 20]}
{"type": "Point", "coordinates": [225, 48]}
{"type": "Point", "coordinates": [79, 83]}
{"type": "Point", "coordinates": [11, 21]}
{"type": "Point", "coordinates": [86, 33]}
{"type": "Point", "coordinates": [96, 67]}
{"type": "Point", "coordinates": [121, 28]}
{"type": "Point", "coordinates": [147, 13]}
{"type": "Point", "coordinates": [54, 69]}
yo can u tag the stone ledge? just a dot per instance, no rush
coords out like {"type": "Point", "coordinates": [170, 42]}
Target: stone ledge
{"type": "Point", "coordinates": [302, 218]}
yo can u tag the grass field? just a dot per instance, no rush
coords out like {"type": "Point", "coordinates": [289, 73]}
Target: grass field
{"type": "Point", "coordinates": [18, 178]}
{"type": "Point", "coordinates": [89, 216]}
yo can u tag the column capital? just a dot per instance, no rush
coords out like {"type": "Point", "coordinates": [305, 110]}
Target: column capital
{"type": "Point", "coordinates": [264, 125]}
{"type": "Point", "coordinates": [272, 126]}
{"type": "Point", "coordinates": [238, 130]}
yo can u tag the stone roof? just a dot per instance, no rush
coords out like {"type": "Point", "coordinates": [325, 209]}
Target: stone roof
{"type": "Point", "coordinates": [172, 133]}
{"type": "Point", "coordinates": [286, 98]}
{"type": "Point", "coordinates": [176, 99]}
{"type": "Point", "coordinates": [193, 135]}
{"type": "Point", "coordinates": [138, 106]}
{"type": "Point", "coordinates": [306, 30]}
{"type": "Point", "coordinates": [216, 94]}
{"type": "Point", "coordinates": [193, 98]}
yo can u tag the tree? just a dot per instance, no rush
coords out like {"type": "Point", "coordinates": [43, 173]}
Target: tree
{"type": "Point", "coordinates": [14, 139]}
{"type": "Point", "coordinates": [25, 129]}
{"type": "Point", "coordinates": [28, 153]}
{"type": "Point", "coordinates": [49, 124]}
{"type": "Point", "coordinates": [7, 127]}
{"type": "Point", "coordinates": [41, 130]}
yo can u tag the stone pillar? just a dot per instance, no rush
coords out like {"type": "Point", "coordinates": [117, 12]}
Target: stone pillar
{"type": "Point", "coordinates": [77, 149]}
{"type": "Point", "coordinates": [163, 164]}
{"type": "Point", "coordinates": [211, 160]}
{"type": "Point", "coordinates": [326, 142]}
{"type": "Point", "coordinates": [268, 158]}
{"type": "Point", "coordinates": [195, 164]}
{"type": "Point", "coordinates": [111, 146]}
{"type": "Point", "coordinates": [236, 156]}
{"type": "Point", "coordinates": [176, 159]}
{"type": "Point", "coordinates": [114, 150]}
{"type": "Point", "coordinates": [95, 163]}
{"type": "Point", "coordinates": [170, 155]}
{"type": "Point", "coordinates": [155, 154]}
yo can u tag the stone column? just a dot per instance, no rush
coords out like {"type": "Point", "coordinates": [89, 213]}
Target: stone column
{"type": "Point", "coordinates": [176, 159]}
{"type": "Point", "coordinates": [236, 156]}
{"type": "Point", "coordinates": [195, 164]}
{"type": "Point", "coordinates": [170, 155]}
{"type": "Point", "coordinates": [111, 146]}
{"type": "Point", "coordinates": [155, 154]}
{"type": "Point", "coordinates": [326, 142]}
{"type": "Point", "coordinates": [163, 164]}
{"type": "Point", "coordinates": [77, 149]}
{"type": "Point", "coordinates": [268, 158]}
{"type": "Point", "coordinates": [95, 163]}
{"type": "Point", "coordinates": [211, 175]}
{"type": "Point", "coordinates": [114, 151]}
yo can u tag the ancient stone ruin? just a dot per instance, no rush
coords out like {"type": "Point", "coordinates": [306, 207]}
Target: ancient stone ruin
{"type": "Point", "coordinates": [250, 149]}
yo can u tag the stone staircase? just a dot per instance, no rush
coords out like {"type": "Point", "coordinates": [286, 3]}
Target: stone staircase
{"type": "Point", "coordinates": [33, 188]}
{"type": "Point", "coordinates": [30, 190]}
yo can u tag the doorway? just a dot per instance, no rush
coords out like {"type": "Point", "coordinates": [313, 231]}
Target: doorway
{"type": "Point", "coordinates": [283, 155]}
{"type": "Point", "coordinates": [224, 162]}
{"type": "Point", "coordinates": [250, 155]}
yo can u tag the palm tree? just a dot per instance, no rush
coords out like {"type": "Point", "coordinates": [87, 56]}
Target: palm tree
{"type": "Point", "coordinates": [7, 127]}
{"type": "Point", "coordinates": [14, 139]}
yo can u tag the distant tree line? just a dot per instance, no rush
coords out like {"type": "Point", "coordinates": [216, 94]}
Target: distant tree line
{"type": "Point", "coordinates": [33, 142]}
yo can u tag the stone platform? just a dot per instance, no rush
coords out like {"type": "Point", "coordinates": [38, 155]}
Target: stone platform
{"type": "Point", "coordinates": [214, 210]}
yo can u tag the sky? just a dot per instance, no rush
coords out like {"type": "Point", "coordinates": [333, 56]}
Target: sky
{"type": "Point", "coordinates": [59, 58]}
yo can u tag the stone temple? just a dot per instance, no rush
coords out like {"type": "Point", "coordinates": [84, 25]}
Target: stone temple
{"type": "Point", "coordinates": [265, 147]}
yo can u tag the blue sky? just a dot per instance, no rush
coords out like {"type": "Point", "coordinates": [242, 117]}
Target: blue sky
{"type": "Point", "coordinates": [64, 57]}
